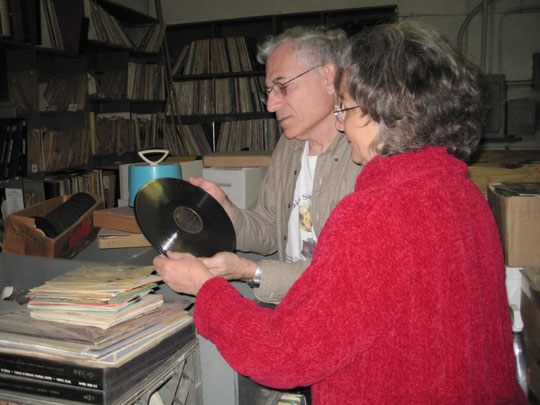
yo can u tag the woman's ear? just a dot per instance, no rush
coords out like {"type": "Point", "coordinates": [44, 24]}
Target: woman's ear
{"type": "Point", "coordinates": [329, 71]}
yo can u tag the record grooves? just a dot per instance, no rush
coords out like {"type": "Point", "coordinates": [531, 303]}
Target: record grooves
{"type": "Point", "coordinates": [177, 216]}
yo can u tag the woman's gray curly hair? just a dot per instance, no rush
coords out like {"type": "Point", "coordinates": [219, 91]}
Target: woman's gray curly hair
{"type": "Point", "coordinates": [314, 44]}
{"type": "Point", "coordinates": [417, 86]}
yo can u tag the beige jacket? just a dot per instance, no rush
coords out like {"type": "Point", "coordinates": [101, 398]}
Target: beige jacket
{"type": "Point", "coordinates": [263, 228]}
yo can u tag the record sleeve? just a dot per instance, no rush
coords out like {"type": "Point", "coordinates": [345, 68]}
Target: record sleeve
{"type": "Point", "coordinates": [177, 216]}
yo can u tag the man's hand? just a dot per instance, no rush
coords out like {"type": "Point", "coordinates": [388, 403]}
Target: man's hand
{"type": "Point", "coordinates": [183, 272]}
{"type": "Point", "coordinates": [230, 266]}
{"type": "Point", "coordinates": [214, 190]}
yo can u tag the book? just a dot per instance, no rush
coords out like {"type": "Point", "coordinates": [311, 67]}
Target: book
{"type": "Point", "coordinates": [112, 239]}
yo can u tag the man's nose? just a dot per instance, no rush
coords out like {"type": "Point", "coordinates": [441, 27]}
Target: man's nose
{"type": "Point", "coordinates": [273, 102]}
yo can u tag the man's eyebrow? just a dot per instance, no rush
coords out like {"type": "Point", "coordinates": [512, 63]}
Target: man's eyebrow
{"type": "Point", "coordinates": [277, 80]}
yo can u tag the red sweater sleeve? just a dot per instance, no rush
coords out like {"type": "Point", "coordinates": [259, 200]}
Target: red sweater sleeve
{"type": "Point", "coordinates": [313, 332]}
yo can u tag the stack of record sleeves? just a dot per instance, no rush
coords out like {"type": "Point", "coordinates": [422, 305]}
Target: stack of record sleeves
{"type": "Point", "coordinates": [98, 296]}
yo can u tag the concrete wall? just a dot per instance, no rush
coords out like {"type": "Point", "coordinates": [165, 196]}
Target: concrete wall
{"type": "Point", "coordinates": [512, 32]}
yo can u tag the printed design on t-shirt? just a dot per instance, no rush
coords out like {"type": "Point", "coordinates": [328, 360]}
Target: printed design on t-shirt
{"type": "Point", "coordinates": [308, 246]}
{"type": "Point", "coordinates": [304, 219]}
{"type": "Point", "coordinates": [304, 213]}
{"type": "Point", "coordinates": [301, 238]}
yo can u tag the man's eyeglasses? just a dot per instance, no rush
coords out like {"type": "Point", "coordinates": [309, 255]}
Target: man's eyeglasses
{"type": "Point", "coordinates": [280, 89]}
{"type": "Point", "coordinates": [339, 111]}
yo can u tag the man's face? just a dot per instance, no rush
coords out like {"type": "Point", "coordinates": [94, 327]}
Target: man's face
{"type": "Point", "coordinates": [307, 103]}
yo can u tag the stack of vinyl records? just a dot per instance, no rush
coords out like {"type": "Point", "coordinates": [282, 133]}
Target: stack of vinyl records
{"type": "Point", "coordinates": [42, 360]}
{"type": "Point", "coordinates": [97, 296]}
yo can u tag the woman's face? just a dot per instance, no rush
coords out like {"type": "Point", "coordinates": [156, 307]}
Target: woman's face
{"type": "Point", "coordinates": [360, 129]}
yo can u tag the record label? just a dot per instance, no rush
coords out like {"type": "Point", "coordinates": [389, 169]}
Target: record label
{"type": "Point", "coordinates": [177, 216]}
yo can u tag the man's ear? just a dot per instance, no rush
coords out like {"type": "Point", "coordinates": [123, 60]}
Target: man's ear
{"type": "Point", "coordinates": [329, 71]}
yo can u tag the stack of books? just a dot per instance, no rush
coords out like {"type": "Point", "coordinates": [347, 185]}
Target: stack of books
{"type": "Point", "coordinates": [98, 296]}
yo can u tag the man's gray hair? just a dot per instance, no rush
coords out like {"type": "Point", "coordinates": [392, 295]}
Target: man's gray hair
{"type": "Point", "coordinates": [317, 44]}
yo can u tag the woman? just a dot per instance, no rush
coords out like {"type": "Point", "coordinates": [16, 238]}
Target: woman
{"type": "Point", "coordinates": [404, 301]}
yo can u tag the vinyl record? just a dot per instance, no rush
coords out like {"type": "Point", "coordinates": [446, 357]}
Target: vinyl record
{"type": "Point", "coordinates": [65, 215]}
{"type": "Point", "coordinates": [177, 216]}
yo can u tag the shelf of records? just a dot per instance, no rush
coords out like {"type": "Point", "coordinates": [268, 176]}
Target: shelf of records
{"type": "Point", "coordinates": [219, 96]}
{"type": "Point", "coordinates": [123, 132]}
{"type": "Point", "coordinates": [115, 133]}
{"type": "Point", "coordinates": [118, 133]}
{"type": "Point", "coordinates": [216, 55]}
{"type": "Point", "coordinates": [228, 136]}
{"type": "Point", "coordinates": [137, 82]}
{"type": "Point", "coordinates": [69, 25]}
{"type": "Point", "coordinates": [39, 151]}
{"type": "Point", "coordinates": [253, 135]}
{"type": "Point", "coordinates": [104, 28]}
{"type": "Point", "coordinates": [28, 93]}
{"type": "Point", "coordinates": [31, 151]}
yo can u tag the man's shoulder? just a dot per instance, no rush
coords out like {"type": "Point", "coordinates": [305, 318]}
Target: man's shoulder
{"type": "Point", "coordinates": [286, 145]}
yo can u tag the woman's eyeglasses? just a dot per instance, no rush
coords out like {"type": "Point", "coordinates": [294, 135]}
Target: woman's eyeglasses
{"type": "Point", "coordinates": [339, 111]}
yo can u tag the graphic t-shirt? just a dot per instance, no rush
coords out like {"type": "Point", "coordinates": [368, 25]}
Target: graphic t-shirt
{"type": "Point", "coordinates": [301, 237]}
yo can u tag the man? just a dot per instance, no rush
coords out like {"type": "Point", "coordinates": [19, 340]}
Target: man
{"type": "Point", "coordinates": [310, 171]}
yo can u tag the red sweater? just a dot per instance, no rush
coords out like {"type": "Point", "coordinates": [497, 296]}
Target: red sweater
{"type": "Point", "coordinates": [404, 301]}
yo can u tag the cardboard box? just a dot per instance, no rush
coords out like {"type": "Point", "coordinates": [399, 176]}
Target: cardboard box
{"type": "Point", "coordinates": [530, 302]}
{"type": "Point", "coordinates": [191, 169]}
{"type": "Point", "coordinates": [530, 313]}
{"type": "Point", "coordinates": [532, 359]}
{"type": "Point", "coordinates": [190, 166]}
{"type": "Point", "coordinates": [518, 220]}
{"type": "Point", "coordinates": [241, 184]}
{"type": "Point", "coordinates": [21, 236]}
{"type": "Point", "coordinates": [484, 174]}
{"type": "Point", "coordinates": [533, 374]}
{"type": "Point", "coordinates": [238, 159]}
